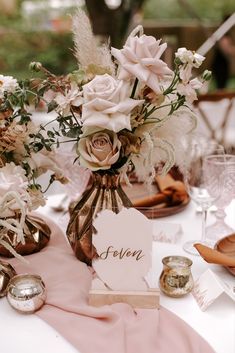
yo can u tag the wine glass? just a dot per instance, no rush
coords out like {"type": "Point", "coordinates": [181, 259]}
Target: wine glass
{"type": "Point", "coordinates": [197, 182]}
{"type": "Point", "coordinates": [221, 166]}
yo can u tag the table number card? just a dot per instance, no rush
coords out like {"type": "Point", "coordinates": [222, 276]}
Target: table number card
{"type": "Point", "coordinates": [209, 287]}
{"type": "Point", "coordinates": [124, 244]}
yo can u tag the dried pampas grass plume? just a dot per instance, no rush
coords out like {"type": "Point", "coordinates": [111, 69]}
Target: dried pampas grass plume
{"type": "Point", "coordinates": [87, 52]}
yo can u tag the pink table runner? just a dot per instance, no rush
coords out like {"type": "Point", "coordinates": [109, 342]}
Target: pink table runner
{"type": "Point", "coordinates": [109, 329]}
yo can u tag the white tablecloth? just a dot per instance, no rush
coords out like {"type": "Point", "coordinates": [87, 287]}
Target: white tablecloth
{"type": "Point", "coordinates": [27, 333]}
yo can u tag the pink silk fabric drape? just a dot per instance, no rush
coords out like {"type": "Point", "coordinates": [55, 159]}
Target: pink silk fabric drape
{"type": "Point", "coordinates": [108, 329]}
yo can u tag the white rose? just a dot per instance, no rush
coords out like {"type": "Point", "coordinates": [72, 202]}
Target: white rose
{"type": "Point", "coordinates": [99, 151]}
{"type": "Point", "coordinates": [7, 84]}
{"type": "Point", "coordinates": [107, 103]}
{"type": "Point", "coordinates": [140, 57]}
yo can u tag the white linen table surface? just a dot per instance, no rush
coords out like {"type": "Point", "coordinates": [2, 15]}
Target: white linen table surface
{"type": "Point", "coordinates": [28, 333]}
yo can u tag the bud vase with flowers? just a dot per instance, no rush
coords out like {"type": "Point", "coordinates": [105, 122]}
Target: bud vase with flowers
{"type": "Point", "coordinates": [21, 233]}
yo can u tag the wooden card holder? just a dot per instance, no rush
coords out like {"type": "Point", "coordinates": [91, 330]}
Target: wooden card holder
{"type": "Point", "coordinates": [149, 299]}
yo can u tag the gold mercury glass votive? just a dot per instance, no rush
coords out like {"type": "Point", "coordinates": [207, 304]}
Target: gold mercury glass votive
{"type": "Point", "coordinates": [26, 293]}
{"type": "Point", "coordinates": [176, 278]}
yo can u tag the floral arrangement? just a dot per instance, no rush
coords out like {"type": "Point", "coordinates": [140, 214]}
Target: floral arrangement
{"type": "Point", "coordinates": [122, 109]}
{"type": "Point", "coordinates": [19, 166]}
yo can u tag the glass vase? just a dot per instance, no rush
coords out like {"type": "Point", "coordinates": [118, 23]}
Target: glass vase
{"type": "Point", "coordinates": [105, 193]}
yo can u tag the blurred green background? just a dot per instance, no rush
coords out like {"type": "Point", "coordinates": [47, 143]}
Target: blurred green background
{"type": "Point", "coordinates": [41, 30]}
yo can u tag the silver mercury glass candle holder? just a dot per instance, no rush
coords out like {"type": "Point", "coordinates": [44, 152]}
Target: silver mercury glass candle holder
{"type": "Point", "coordinates": [26, 293]}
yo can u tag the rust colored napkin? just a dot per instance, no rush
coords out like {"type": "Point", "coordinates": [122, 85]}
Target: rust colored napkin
{"type": "Point", "coordinates": [171, 193]}
{"type": "Point", "coordinates": [109, 329]}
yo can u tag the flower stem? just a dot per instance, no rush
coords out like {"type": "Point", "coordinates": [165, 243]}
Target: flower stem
{"type": "Point", "coordinates": [204, 219]}
{"type": "Point", "coordinates": [73, 140]}
{"type": "Point", "coordinates": [134, 88]}
{"type": "Point", "coordinates": [172, 85]}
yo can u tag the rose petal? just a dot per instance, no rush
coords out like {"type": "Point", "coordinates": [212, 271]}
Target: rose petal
{"type": "Point", "coordinates": [157, 66]}
{"type": "Point", "coordinates": [96, 104]}
{"type": "Point", "coordinates": [124, 107]}
{"type": "Point", "coordinates": [115, 122]}
{"type": "Point", "coordinates": [137, 70]}
{"type": "Point", "coordinates": [127, 52]}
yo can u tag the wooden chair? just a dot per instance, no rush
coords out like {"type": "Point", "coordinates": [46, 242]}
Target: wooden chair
{"type": "Point", "coordinates": [217, 113]}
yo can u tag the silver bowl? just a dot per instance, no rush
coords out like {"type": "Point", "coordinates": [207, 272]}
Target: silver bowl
{"type": "Point", "coordinates": [26, 293]}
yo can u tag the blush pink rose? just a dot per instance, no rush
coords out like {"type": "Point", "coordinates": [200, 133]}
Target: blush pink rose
{"type": "Point", "coordinates": [140, 57]}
